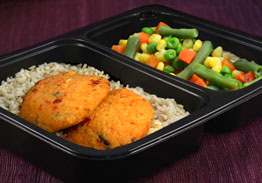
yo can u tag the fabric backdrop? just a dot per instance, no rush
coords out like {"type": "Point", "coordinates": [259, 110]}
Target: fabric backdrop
{"type": "Point", "coordinates": [227, 157]}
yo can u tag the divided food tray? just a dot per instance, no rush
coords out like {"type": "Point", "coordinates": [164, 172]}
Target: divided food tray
{"type": "Point", "coordinates": [91, 45]}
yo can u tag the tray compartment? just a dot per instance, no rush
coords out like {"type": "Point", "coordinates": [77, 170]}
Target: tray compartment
{"type": "Point", "coordinates": [69, 161]}
{"type": "Point", "coordinates": [243, 45]}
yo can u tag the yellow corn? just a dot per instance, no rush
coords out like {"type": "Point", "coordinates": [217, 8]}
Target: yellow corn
{"type": "Point", "coordinates": [144, 47]}
{"type": "Point", "coordinates": [154, 38]}
{"type": "Point", "coordinates": [154, 28]}
{"type": "Point", "coordinates": [144, 57]}
{"type": "Point", "coordinates": [217, 67]}
{"type": "Point", "coordinates": [122, 42]}
{"type": "Point", "coordinates": [197, 45]}
{"type": "Point", "coordinates": [212, 61]}
{"type": "Point", "coordinates": [235, 72]}
{"type": "Point", "coordinates": [172, 74]}
{"type": "Point", "coordinates": [137, 57]}
{"type": "Point", "coordinates": [160, 66]}
{"type": "Point", "coordinates": [161, 45]}
{"type": "Point", "coordinates": [217, 52]}
{"type": "Point", "coordinates": [160, 55]}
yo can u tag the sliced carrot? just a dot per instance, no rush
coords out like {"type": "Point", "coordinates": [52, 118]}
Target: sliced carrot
{"type": "Point", "coordinates": [249, 76]}
{"type": "Point", "coordinates": [143, 37]}
{"type": "Point", "coordinates": [152, 61]}
{"type": "Point", "coordinates": [240, 77]}
{"type": "Point", "coordinates": [227, 63]}
{"type": "Point", "coordinates": [198, 80]}
{"type": "Point", "coordinates": [160, 24]}
{"type": "Point", "coordinates": [187, 56]}
{"type": "Point", "coordinates": [118, 48]}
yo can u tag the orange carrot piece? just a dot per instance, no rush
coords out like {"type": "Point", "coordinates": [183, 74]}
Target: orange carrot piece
{"type": "Point", "coordinates": [152, 61]}
{"type": "Point", "coordinates": [118, 48]}
{"type": "Point", "coordinates": [160, 24]}
{"type": "Point", "coordinates": [187, 56]}
{"type": "Point", "coordinates": [249, 76]}
{"type": "Point", "coordinates": [240, 77]}
{"type": "Point", "coordinates": [227, 63]}
{"type": "Point", "coordinates": [143, 37]}
{"type": "Point", "coordinates": [198, 80]}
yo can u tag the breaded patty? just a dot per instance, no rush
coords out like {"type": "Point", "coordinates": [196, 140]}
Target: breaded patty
{"type": "Point", "coordinates": [122, 117]}
{"type": "Point", "coordinates": [63, 100]}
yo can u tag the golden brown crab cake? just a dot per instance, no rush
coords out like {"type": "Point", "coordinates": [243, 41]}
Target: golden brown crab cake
{"type": "Point", "coordinates": [122, 117]}
{"type": "Point", "coordinates": [63, 100]}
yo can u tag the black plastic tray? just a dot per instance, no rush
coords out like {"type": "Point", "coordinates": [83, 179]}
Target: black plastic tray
{"type": "Point", "coordinates": [71, 162]}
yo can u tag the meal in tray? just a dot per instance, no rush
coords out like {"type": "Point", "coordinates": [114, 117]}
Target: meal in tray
{"type": "Point", "coordinates": [179, 52]}
{"type": "Point", "coordinates": [81, 104]}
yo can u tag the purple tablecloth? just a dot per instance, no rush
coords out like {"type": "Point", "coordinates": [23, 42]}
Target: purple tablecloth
{"type": "Point", "coordinates": [229, 157]}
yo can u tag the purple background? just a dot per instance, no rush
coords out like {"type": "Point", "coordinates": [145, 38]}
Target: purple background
{"type": "Point", "coordinates": [228, 157]}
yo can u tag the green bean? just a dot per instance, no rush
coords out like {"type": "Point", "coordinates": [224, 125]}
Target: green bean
{"type": "Point", "coordinates": [244, 65]}
{"type": "Point", "coordinates": [132, 46]}
{"type": "Point", "coordinates": [148, 30]}
{"type": "Point", "coordinates": [251, 82]}
{"type": "Point", "coordinates": [215, 78]}
{"type": "Point", "coordinates": [204, 51]}
{"type": "Point", "coordinates": [180, 33]}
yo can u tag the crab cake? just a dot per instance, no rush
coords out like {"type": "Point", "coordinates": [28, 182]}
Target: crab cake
{"type": "Point", "coordinates": [63, 100]}
{"type": "Point", "coordinates": [122, 117]}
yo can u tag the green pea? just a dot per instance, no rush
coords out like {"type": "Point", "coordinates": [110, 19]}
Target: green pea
{"type": "Point", "coordinates": [172, 42]}
{"type": "Point", "coordinates": [178, 65]}
{"type": "Point", "coordinates": [151, 47]}
{"type": "Point", "coordinates": [228, 75]}
{"type": "Point", "coordinates": [225, 70]}
{"type": "Point", "coordinates": [148, 30]}
{"type": "Point", "coordinates": [179, 48]}
{"type": "Point", "coordinates": [170, 54]}
{"type": "Point", "coordinates": [168, 69]}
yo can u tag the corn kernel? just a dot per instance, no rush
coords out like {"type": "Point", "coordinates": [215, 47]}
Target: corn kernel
{"type": "Point", "coordinates": [160, 66]}
{"type": "Point", "coordinates": [173, 74]}
{"type": "Point", "coordinates": [144, 47]}
{"type": "Point", "coordinates": [160, 55]}
{"type": "Point", "coordinates": [235, 73]}
{"type": "Point", "coordinates": [144, 57]}
{"type": "Point", "coordinates": [137, 56]}
{"type": "Point", "coordinates": [217, 67]}
{"type": "Point", "coordinates": [217, 52]}
{"type": "Point", "coordinates": [154, 38]}
{"type": "Point", "coordinates": [197, 45]}
{"type": "Point", "coordinates": [154, 28]}
{"type": "Point", "coordinates": [123, 42]}
{"type": "Point", "coordinates": [161, 45]}
{"type": "Point", "coordinates": [212, 61]}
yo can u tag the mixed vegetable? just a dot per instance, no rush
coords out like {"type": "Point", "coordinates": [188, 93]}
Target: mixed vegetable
{"type": "Point", "coordinates": [179, 52]}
